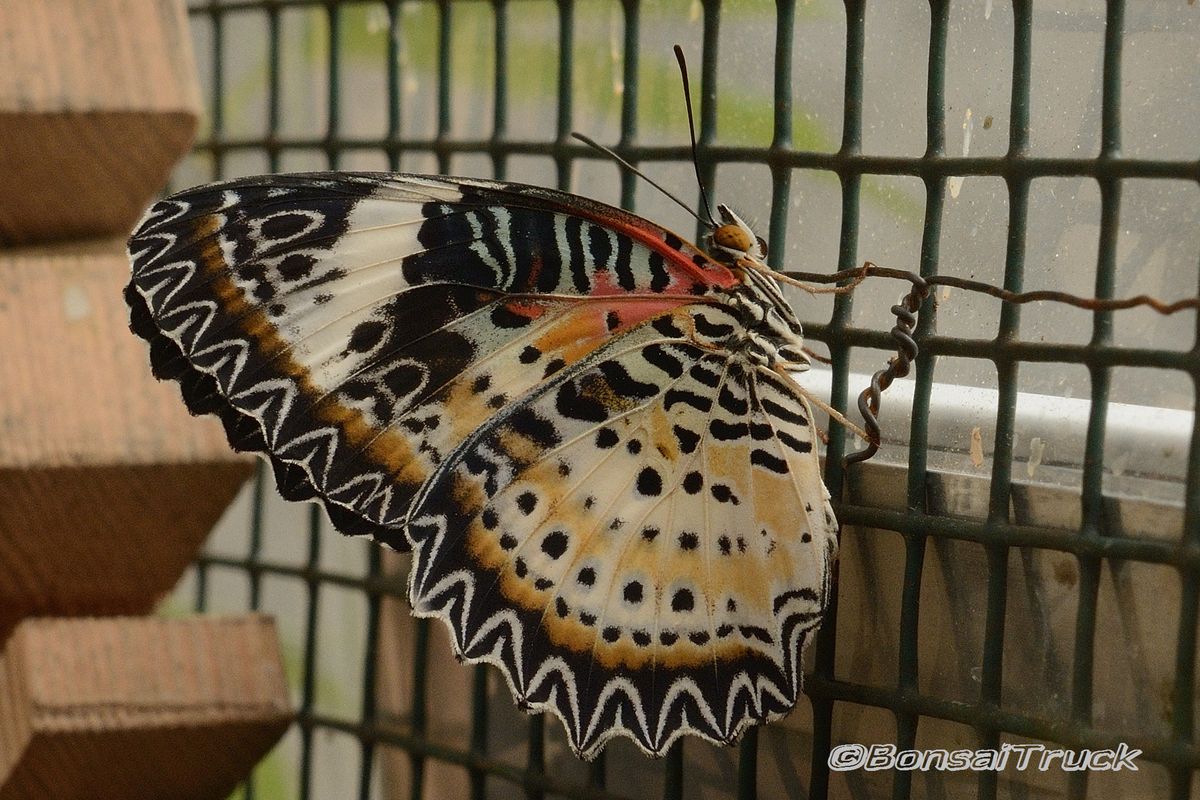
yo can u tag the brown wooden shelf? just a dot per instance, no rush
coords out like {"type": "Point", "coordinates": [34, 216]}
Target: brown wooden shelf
{"type": "Point", "coordinates": [110, 486]}
{"type": "Point", "coordinates": [108, 709]}
{"type": "Point", "coordinates": [98, 100]}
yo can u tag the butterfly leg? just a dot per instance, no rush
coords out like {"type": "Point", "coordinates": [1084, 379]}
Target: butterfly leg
{"type": "Point", "coordinates": [815, 356]}
{"type": "Point", "coordinates": [833, 413]}
{"type": "Point", "coordinates": [856, 277]}
{"type": "Point", "coordinates": [822, 434]}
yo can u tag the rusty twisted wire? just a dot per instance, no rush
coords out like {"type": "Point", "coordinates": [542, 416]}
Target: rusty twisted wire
{"type": "Point", "coordinates": [900, 364]}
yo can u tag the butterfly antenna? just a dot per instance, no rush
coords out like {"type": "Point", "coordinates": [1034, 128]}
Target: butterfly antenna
{"type": "Point", "coordinates": [611, 154]}
{"type": "Point", "coordinates": [687, 99]}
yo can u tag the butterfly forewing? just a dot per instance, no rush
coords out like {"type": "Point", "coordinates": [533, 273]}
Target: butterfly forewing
{"type": "Point", "coordinates": [538, 394]}
{"type": "Point", "coordinates": [319, 313]}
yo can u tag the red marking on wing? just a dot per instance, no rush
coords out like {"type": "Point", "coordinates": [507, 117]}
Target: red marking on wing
{"type": "Point", "coordinates": [712, 274]}
{"type": "Point", "coordinates": [589, 324]}
{"type": "Point", "coordinates": [604, 284]}
{"type": "Point", "coordinates": [529, 310]}
{"type": "Point", "coordinates": [634, 312]}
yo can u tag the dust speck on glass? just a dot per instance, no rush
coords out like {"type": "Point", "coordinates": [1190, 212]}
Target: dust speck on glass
{"type": "Point", "coordinates": [1048, 145]}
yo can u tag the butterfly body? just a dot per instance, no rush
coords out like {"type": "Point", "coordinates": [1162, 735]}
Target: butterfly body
{"type": "Point", "coordinates": [583, 426]}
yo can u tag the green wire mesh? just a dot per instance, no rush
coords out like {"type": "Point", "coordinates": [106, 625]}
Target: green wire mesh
{"type": "Point", "coordinates": [1093, 545]}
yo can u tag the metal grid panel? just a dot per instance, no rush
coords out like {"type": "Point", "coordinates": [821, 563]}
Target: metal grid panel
{"type": "Point", "coordinates": [997, 534]}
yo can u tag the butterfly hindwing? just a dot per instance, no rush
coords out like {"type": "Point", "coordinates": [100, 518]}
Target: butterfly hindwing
{"type": "Point", "coordinates": [621, 542]}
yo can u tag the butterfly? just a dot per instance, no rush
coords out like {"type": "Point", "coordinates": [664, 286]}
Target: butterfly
{"type": "Point", "coordinates": [586, 429]}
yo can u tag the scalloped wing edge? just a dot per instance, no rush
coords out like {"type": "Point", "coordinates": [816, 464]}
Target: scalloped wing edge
{"type": "Point", "coordinates": [246, 433]}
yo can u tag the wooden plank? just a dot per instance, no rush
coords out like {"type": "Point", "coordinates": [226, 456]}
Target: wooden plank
{"type": "Point", "coordinates": [78, 387]}
{"type": "Point", "coordinates": [98, 100]}
{"type": "Point", "coordinates": [110, 486]}
{"type": "Point", "coordinates": [133, 708]}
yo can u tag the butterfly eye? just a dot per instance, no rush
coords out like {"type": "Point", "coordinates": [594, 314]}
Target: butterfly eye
{"type": "Point", "coordinates": [762, 245]}
{"type": "Point", "coordinates": [732, 237]}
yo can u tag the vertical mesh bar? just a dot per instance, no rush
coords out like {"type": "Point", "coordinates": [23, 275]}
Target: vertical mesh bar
{"type": "Point", "coordinates": [707, 135]}
{"type": "Point", "coordinates": [535, 761]}
{"type": "Point", "coordinates": [915, 540]}
{"type": "Point", "coordinates": [304, 714]}
{"type": "Point", "coordinates": [1183, 690]}
{"type": "Point", "coordinates": [747, 775]}
{"type": "Point", "coordinates": [1006, 379]}
{"type": "Point", "coordinates": [781, 192]}
{"type": "Point", "coordinates": [500, 90]}
{"type": "Point", "coordinates": [1101, 377]}
{"type": "Point", "coordinates": [370, 662]}
{"type": "Point", "coordinates": [629, 97]}
{"type": "Point", "coordinates": [781, 137]}
{"type": "Point", "coordinates": [419, 712]}
{"type": "Point", "coordinates": [333, 144]}
{"type": "Point", "coordinates": [445, 87]}
{"type": "Point", "coordinates": [392, 137]}
{"type": "Point", "coordinates": [253, 571]}
{"type": "Point", "coordinates": [673, 772]}
{"type": "Point", "coordinates": [839, 352]}
{"type": "Point", "coordinates": [274, 55]}
{"type": "Point", "coordinates": [562, 125]}
{"type": "Point", "coordinates": [479, 723]}
{"type": "Point", "coordinates": [216, 108]}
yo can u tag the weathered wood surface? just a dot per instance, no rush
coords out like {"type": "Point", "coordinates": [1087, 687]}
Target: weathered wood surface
{"type": "Point", "coordinates": [98, 100]}
{"type": "Point", "coordinates": [108, 709]}
{"type": "Point", "coordinates": [109, 485]}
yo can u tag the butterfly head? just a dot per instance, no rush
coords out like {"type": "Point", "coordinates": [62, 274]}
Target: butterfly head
{"type": "Point", "coordinates": [733, 240]}
{"type": "Point", "coordinates": [774, 336]}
